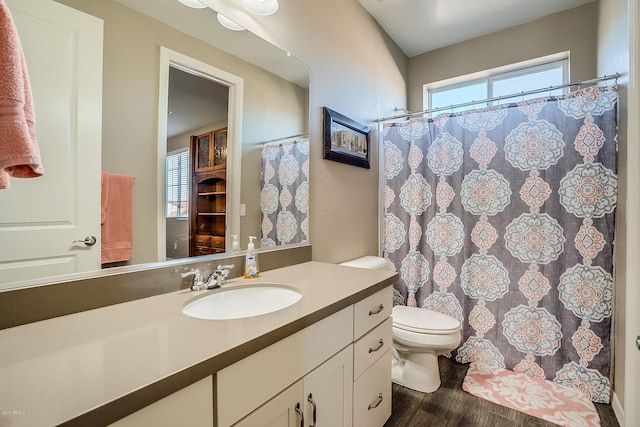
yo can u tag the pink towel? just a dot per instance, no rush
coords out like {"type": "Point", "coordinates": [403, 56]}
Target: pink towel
{"type": "Point", "coordinates": [117, 217]}
{"type": "Point", "coordinates": [19, 151]}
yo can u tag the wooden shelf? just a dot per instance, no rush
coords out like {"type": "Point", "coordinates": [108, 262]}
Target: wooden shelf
{"type": "Point", "coordinates": [207, 223]}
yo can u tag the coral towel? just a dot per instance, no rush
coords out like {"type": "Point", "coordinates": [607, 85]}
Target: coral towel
{"type": "Point", "coordinates": [117, 217]}
{"type": "Point", "coordinates": [19, 151]}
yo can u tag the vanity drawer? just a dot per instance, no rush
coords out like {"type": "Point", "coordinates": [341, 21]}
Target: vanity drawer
{"type": "Point", "coordinates": [217, 242]}
{"type": "Point", "coordinates": [203, 240]}
{"type": "Point", "coordinates": [372, 394]}
{"type": "Point", "coordinates": [371, 311]}
{"type": "Point", "coordinates": [370, 347]}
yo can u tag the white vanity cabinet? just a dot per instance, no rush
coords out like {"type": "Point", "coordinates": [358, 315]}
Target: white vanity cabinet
{"type": "Point", "coordinates": [339, 366]}
{"type": "Point", "coordinates": [251, 382]}
{"type": "Point", "coordinates": [192, 406]}
{"type": "Point", "coordinates": [321, 398]}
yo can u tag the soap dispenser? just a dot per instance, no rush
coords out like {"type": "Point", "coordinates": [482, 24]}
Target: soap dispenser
{"type": "Point", "coordinates": [251, 260]}
{"type": "Point", "coordinates": [235, 245]}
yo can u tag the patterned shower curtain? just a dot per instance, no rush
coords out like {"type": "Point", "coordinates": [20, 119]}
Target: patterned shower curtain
{"type": "Point", "coordinates": [504, 219]}
{"type": "Point", "coordinates": [284, 200]}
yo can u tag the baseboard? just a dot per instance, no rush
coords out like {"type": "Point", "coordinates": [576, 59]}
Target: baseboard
{"type": "Point", "coordinates": [617, 409]}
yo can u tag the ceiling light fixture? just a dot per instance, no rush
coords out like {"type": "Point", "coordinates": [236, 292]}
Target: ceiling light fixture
{"type": "Point", "coordinates": [229, 24]}
{"type": "Point", "coordinates": [261, 7]}
{"type": "Point", "coordinates": [193, 3]}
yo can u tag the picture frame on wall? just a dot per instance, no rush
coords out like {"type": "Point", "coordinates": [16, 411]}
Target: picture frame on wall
{"type": "Point", "coordinates": [345, 140]}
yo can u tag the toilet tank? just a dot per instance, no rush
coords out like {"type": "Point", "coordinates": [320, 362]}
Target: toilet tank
{"type": "Point", "coordinates": [367, 262]}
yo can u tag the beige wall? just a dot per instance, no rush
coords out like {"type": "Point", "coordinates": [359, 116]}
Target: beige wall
{"type": "Point", "coordinates": [613, 57]}
{"type": "Point", "coordinates": [357, 71]}
{"type": "Point", "coordinates": [572, 30]}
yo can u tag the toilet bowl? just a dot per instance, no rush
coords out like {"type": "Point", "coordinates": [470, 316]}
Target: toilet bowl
{"type": "Point", "coordinates": [419, 337]}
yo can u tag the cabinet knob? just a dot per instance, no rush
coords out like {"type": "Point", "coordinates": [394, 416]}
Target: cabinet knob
{"type": "Point", "coordinates": [300, 414]}
{"type": "Point", "coordinates": [377, 347]}
{"type": "Point", "coordinates": [377, 310]}
{"type": "Point", "coordinates": [376, 403]}
{"type": "Point", "coordinates": [313, 412]}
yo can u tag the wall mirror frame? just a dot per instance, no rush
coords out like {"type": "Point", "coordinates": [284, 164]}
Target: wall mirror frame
{"type": "Point", "coordinates": [254, 121]}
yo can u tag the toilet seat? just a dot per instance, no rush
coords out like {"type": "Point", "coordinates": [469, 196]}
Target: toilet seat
{"type": "Point", "coordinates": [423, 321]}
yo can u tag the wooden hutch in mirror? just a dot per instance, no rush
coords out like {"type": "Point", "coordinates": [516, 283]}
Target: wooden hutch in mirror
{"type": "Point", "coordinates": [208, 210]}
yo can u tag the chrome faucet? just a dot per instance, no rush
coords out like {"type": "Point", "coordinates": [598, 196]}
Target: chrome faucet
{"type": "Point", "coordinates": [214, 280]}
{"type": "Point", "coordinates": [220, 274]}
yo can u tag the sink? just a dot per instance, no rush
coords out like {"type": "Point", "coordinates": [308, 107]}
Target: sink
{"type": "Point", "coordinates": [242, 301]}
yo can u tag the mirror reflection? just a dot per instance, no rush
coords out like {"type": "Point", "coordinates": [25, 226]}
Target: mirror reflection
{"type": "Point", "coordinates": [273, 113]}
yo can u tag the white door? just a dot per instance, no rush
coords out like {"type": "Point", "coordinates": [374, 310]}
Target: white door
{"type": "Point", "coordinates": [40, 218]}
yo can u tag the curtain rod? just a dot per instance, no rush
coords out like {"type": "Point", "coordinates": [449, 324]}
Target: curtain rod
{"type": "Point", "coordinates": [498, 98]}
{"type": "Point", "coordinates": [282, 139]}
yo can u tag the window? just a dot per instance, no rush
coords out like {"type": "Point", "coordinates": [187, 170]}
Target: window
{"type": "Point", "coordinates": [495, 83]}
{"type": "Point", "coordinates": [178, 184]}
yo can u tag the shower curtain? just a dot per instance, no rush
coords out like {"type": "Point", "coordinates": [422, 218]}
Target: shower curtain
{"type": "Point", "coordinates": [284, 198]}
{"type": "Point", "coordinates": [504, 219]}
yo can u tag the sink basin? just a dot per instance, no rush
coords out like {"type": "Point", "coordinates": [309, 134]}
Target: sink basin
{"type": "Point", "coordinates": [242, 301]}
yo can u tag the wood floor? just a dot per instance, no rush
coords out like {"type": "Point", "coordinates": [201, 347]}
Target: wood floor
{"type": "Point", "coordinates": [451, 406]}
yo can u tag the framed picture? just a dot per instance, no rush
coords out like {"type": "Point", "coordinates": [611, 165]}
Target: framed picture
{"type": "Point", "coordinates": [345, 140]}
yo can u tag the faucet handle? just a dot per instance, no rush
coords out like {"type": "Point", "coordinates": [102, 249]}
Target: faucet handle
{"type": "Point", "coordinates": [224, 269]}
{"type": "Point", "coordinates": [198, 281]}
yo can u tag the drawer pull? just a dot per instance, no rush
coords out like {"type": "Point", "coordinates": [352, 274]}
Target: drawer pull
{"type": "Point", "coordinates": [377, 403]}
{"type": "Point", "coordinates": [300, 414]}
{"type": "Point", "coordinates": [313, 412]}
{"type": "Point", "coordinates": [378, 347]}
{"type": "Point", "coordinates": [376, 311]}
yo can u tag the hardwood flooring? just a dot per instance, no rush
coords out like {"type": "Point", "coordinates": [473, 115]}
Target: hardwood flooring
{"type": "Point", "coordinates": [451, 406]}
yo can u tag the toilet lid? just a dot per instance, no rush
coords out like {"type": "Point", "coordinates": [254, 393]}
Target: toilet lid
{"type": "Point", "coordinates": [425, 321]}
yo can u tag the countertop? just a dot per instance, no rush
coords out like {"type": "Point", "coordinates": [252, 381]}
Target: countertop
{"type": "Point", "coordinates": [94, 367]}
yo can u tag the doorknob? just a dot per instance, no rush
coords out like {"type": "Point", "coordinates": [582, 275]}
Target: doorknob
{"type": "Point", "coordinates": [638, 342]}
{"type": "Point", "coordinates": [89, 241]}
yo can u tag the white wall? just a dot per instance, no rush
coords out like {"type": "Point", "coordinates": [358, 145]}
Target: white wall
{"type": "Point", "coordinates": [613, 57]}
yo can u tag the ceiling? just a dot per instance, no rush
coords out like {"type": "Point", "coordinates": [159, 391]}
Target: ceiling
{"type": "Point", "coordinates": [419, 26]}
{"type": "Point", "coordinates": [194, 102]}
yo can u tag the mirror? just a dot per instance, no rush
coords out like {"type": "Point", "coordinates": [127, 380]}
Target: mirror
{"type": "Point", "coordinates": [274, 101]}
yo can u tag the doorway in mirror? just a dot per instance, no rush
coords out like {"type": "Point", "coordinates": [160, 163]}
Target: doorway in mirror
{"type": "Point", "coordinates": [200, 116]}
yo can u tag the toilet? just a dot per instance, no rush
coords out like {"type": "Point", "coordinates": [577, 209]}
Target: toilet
{"type": "Point", "coordinates": [419, 337]}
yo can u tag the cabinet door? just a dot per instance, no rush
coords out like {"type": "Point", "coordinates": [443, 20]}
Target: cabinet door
{"type": "Point", "coordinates": [204, 153]}
{"type": "Point", "coordinates": [192, 406]}
{"type": "Point", "coordinates": [284, 410]}
{"type": "Point", "coordinates": [328, 392]}
{"type": "Point", "coordinates": [220, 149]}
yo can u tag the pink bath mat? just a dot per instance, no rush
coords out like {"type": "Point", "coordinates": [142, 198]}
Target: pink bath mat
{"type": "Point", "coordinates": [537, 397]}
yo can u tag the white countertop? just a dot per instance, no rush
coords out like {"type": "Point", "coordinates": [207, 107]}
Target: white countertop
{"type": "Point", "coordinates": [58, 369]}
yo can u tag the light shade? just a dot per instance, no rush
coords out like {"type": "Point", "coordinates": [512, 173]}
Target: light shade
{"type": "Point", "coordinates": [229, 24]}
{"type": "Point", "coordinates": [261, 7]}
{"type": "Point", "coordinates": [193, 3]}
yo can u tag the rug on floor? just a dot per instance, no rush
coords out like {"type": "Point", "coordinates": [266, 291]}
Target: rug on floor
{"type": "Point", "coordinates": [534, 396]}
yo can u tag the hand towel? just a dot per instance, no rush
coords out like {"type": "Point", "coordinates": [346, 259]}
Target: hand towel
{"type": "Point", "coordinates": [116, 217]}
{"type": "Point", "coordinates": [19, 151]}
